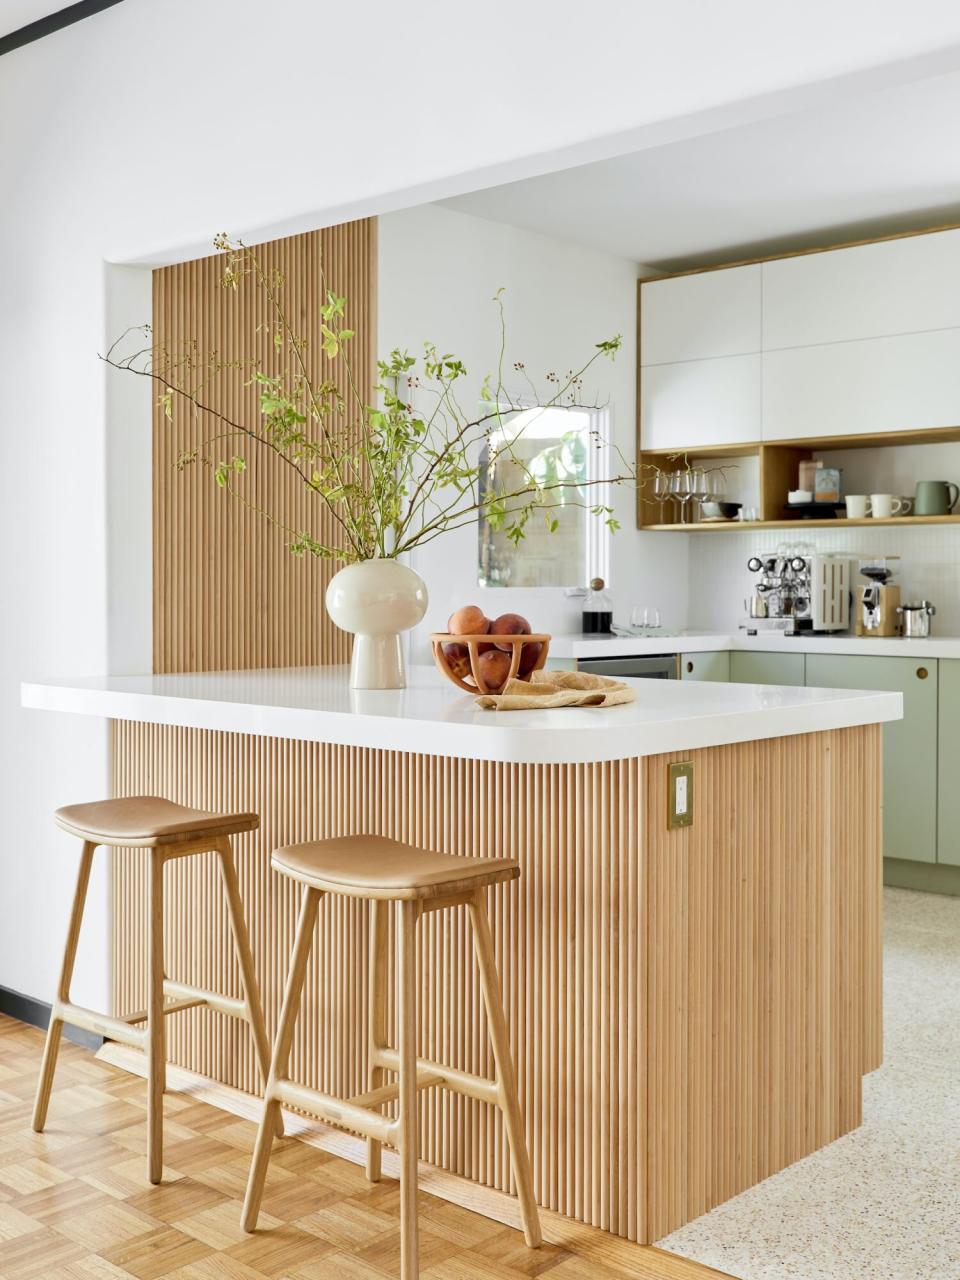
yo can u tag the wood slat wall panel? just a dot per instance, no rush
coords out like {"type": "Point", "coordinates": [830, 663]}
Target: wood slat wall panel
{"type": "Point", "coordinates": [227, 594]}
{"type": "Point", "coordinates": [671, 995]}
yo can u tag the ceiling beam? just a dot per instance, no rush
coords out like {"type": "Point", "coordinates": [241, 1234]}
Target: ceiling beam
{"type": "Point", "coordinates": [52, 22]}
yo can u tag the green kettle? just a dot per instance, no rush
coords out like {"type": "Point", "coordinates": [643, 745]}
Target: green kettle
{"type": "Point", "coordinates": [935, 497]}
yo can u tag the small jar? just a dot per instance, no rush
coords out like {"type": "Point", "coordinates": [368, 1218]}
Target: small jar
{"type": "Point", "coordinates": [597, 610]}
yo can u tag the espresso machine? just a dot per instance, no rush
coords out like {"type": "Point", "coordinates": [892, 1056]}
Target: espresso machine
{"type": "Point", "coordinates": [799, 593]}
{"type": "Point", "coordinates": [877, 606]}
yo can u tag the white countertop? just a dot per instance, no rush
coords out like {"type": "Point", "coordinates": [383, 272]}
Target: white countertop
{"type": "Point", "coordinates": [433, 717]}
{"type": "Point", "coordinates": [574, 646]}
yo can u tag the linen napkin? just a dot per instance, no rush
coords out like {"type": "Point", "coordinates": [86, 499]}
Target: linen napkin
{"type": "Point", "coordinates": [558, 689]}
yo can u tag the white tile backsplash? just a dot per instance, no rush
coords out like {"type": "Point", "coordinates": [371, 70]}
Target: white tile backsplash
{"type": "Point", "coordinates": [928, 568]}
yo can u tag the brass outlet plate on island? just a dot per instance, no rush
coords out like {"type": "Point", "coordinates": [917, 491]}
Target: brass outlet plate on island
{"type": "Point", "coordinates": [680, 795]}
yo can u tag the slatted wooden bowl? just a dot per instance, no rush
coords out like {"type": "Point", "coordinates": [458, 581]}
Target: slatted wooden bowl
{"type": "Point", "coordinates": [465, 669]}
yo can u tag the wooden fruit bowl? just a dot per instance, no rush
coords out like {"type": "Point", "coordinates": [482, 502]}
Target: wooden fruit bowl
{"type": "Point", "coordinates": [475, 645]}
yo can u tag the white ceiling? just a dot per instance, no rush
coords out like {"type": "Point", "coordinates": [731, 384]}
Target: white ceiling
{"type": "Point", "coordinates": [881, 161]}
{"type": "Point", "coordinates": [15, 14]}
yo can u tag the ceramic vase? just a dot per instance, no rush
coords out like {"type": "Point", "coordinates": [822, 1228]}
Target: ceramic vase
{"type": "Point", "coordinates": [376, 600]}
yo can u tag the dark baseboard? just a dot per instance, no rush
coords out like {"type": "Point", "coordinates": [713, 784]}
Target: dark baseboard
{"type": "Point", "coordinates": [928, 877]}
{"type": "Point", "coordinates": [36, 1013]}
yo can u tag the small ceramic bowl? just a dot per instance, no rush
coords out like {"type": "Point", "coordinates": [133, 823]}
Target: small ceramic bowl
{"type": "Point", "coordinates": [464, 660]}
{"type": "Point", "coordinates": [716, 509]}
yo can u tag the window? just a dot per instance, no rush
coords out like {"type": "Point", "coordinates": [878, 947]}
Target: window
{"type": "Point", "coordinates": [553, 446]}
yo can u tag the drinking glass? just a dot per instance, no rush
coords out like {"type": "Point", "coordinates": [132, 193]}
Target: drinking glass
{"type": "Point", "coordinates": [682, 490]}
{"type": "Point", "coordinates": [661, 490]}
{"type": "Point", "coordinates": [644, 618]}
{"type": "Point", "coordinates": [699, 487]}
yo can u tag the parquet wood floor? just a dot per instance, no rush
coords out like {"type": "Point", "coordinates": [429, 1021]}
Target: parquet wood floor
{"type": "Point", "coordinates": [75, 1203]}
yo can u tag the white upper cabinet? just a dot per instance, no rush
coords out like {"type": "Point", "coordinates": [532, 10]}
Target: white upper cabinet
{"type": "Point", "coordinates": [900, 383]}
{"type": "Point", "coordinates": [716, 313]}
{"type": "Point", "coordinates": [700, 402]}
{"type": "Point", "coordinates": [867, 291]}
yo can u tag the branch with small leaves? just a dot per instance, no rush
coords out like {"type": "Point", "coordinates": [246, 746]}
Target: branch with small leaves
{"type": "Point", "coordinates": [393, 474]}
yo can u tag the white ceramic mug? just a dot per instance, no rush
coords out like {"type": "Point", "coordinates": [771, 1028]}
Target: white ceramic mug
{"type": "Point", "coordinates": [858, 506]}
{"type": "Point", "coordinates": [885, 505]}
{"type": "Point", "coordinates": [906, 506]}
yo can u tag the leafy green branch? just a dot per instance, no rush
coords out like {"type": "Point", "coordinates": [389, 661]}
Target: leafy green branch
{"type": "Point", "coordinates": [393, 468]}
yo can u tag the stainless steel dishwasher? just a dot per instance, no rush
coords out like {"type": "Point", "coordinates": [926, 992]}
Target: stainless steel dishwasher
{"type": "Point", "coordinates": [658, 666]}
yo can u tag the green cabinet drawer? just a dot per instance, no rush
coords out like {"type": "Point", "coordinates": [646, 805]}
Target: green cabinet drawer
{"type": "Point", "coordinates": [948, 806]}
{"type": "Point", "coordinates": [714, 665]}
{"type": "Point", "coordinates": [909, 745]}
{"type": "Point", "coordinates": [766, 668]}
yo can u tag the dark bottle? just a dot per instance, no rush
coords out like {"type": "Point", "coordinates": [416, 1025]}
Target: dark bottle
{"type": "Point", "coordinates": [597, 610]}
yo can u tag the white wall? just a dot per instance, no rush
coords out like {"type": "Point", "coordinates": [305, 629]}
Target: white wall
{"type": "Point", "coordinates": [438, 272]}
{"type": "Point", "coordinates": [139, 133]}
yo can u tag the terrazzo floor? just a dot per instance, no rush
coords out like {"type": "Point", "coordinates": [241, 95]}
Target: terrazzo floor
{"type": "Point", "coordinates": [883, 1202]}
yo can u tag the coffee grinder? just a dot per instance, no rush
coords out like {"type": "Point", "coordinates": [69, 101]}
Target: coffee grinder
{"type": "Point", "coordinates": [878, 603]}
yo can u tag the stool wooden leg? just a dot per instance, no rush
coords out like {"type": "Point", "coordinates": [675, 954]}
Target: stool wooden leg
{"type": "Point", "coordinates": [377, 1037]}
{"type": "Point", "coordinates": [248, 977]}
{"type": "Point", "coordinates": [156, 1030]}
{"type": "Point", "coordinates": [281, 1056]}
{"type": "Point", "coordinates": [52, 1045]}
{"type": "Point", "coordinates": [506, 1074]}
{"type": "Point", "coordinates": [409, 1126]}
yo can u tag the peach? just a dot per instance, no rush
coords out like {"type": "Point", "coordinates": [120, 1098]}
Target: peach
{"type": "Point", "coordinates": [509, 624]}
{"type": "Point", "coordinates": [528, 657]}
{"type": "Point", "coordinates": [494, 667]}
{"type": "Point", "coordinates": [468, 621]}
{"type": "Point", "coordinates": [457, 657]}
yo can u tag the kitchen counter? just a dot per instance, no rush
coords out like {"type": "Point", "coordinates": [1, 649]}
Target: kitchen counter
{"type": "Point", "coordinates": [585, 646]}
{"type": "Point", "coordinates": [433, 716]}
{"type": "Point", "coordinates": [691, 1008]}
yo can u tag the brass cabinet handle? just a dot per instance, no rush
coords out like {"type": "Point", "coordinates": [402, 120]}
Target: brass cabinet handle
{"type": "Point", "coordinates": [922, 673]}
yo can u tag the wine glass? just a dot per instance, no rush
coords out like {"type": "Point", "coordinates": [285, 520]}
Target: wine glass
{"type": "Point", "coordinates": [681, 491]}
{"type": "Point", "coordinates": [661, 490]}
{"type": "Point", "coordinates": [699, 485]}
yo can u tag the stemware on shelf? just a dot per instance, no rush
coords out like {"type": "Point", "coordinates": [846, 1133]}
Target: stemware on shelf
{"type": "Point", "coordinates": [661, 490]}
{"type": "Point", "coordinates": [681, 486]}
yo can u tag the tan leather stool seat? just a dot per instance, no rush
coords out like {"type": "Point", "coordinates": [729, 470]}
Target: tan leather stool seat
{"type": "Point", "coordinates": [375, 867]}
{"type": "Point", "coordinates": [148, 821]}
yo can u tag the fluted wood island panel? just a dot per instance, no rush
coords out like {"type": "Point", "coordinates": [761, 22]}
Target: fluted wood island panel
{"type": "Point", "coordinates": [691, 1010]}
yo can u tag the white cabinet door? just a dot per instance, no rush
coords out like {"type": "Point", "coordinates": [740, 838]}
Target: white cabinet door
{"type": "Point", "coordinates": [869, 291]}
{"type": "Point", "coordinates": [701, 402]}
{"type": "Point", "coordinates": [716, 313]}
{"type": "Point", "coordinates": [901, 383]}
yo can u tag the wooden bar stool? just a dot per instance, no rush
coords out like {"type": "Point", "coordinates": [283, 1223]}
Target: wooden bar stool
{"type": "Point", "coordinates": [170, 831]}
{"type": "Point", "coordinates": [386, 871]}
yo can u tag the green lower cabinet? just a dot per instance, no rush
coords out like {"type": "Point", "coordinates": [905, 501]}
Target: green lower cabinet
{"type": "Point", "coordinates": [909, 745]}
{"type": "Point", "coordinates": [560, 664]}
{"type": "Point", "coordinates": [766, 668]}
{"type": "Point", "coordinates": [705, 666]}
{"type": "Point", "coordinates": [948, 808]}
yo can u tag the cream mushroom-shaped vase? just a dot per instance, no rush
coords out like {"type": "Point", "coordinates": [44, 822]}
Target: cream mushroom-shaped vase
{"type": "Point", "coordinates": [376, 600]}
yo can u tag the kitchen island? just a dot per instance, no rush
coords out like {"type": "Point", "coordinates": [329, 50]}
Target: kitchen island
{"type": "Point", "coordinates": [691, 1009]}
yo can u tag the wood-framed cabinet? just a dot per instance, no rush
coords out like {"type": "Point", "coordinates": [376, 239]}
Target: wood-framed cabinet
{"type": "Point", "coordinates": [851, 344]}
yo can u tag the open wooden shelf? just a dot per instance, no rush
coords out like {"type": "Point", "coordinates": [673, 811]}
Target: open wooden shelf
{"type": "Point", "coordinates": [777, 462]}
{"type": "Point", "coordinates": [840, 523]}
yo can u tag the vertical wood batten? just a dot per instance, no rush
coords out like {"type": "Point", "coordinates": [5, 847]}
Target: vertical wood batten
{"type": "Point", "coordinates": [227, 593]}
{"type": "Point", "coordinates": [690, 1010]}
